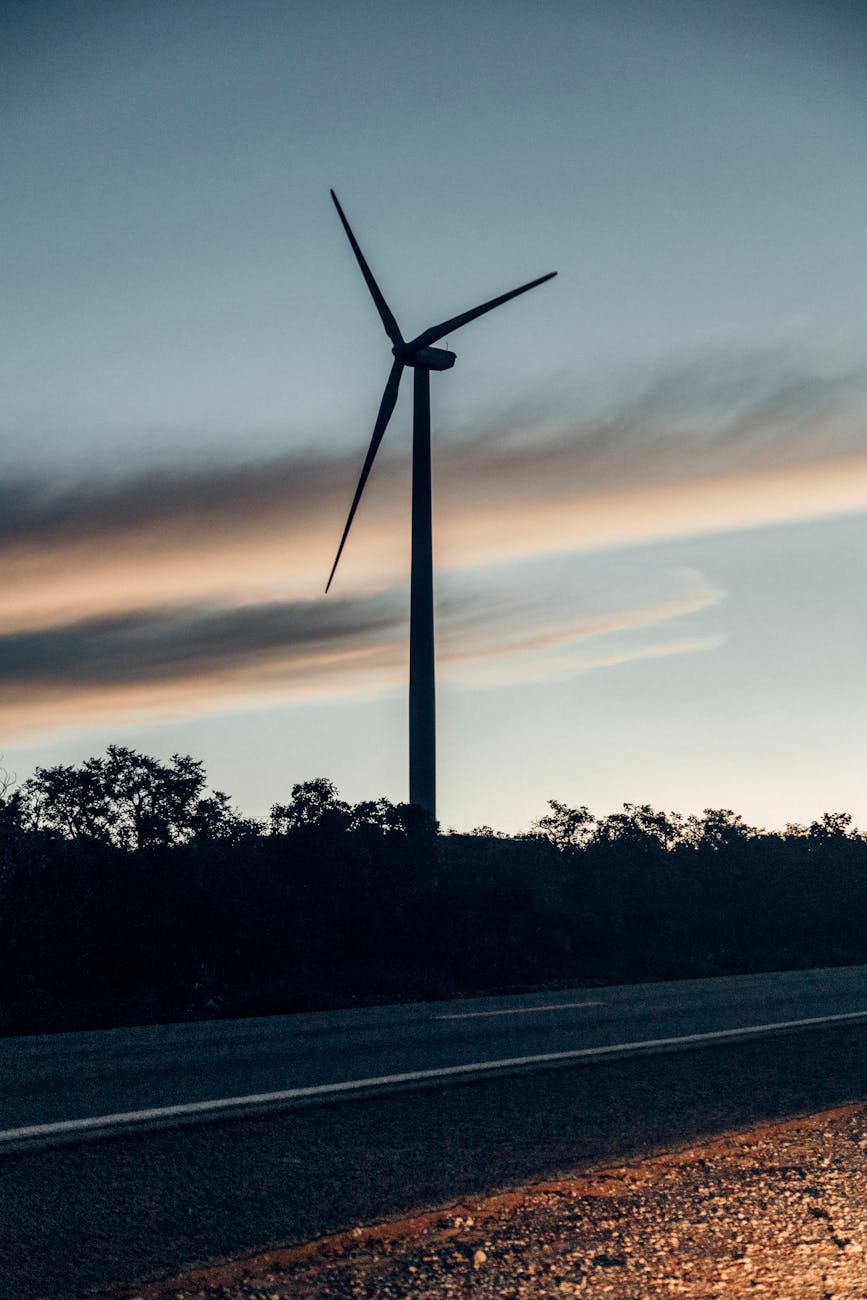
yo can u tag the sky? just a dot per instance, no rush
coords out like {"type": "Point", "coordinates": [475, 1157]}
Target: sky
{"type": "Point", "coordinates": [650, 474]}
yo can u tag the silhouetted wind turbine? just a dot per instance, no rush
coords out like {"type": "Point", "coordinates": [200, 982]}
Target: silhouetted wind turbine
{"type": "Point", "coordinates": [423, 358]}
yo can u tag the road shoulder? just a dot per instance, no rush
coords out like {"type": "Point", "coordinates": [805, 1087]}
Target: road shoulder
{"type": "Point", "coordinates": [776, 1210]}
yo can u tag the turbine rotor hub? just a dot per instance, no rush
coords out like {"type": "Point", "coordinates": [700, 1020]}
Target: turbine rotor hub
{"type": "Point", "coordinates": [428, 358]}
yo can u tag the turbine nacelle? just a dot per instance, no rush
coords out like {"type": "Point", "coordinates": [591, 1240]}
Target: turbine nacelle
{"type": "Point", "coordinates": [429, 358]}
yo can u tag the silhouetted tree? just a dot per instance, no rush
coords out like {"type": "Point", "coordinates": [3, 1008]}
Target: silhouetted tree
{"type": "Point", "coordinates": [639, 824]}
{"type": "Point", "coordinates": [382, 814]}
{"type": "Point", "coordinates": [565, 826]}
{"type": "Point", "coordinates": [11, 805]}
{"type": "Point", "coordinates": [69, 801]}
{"type": "Point", "coordinates": [213, 819]}
{"type": "Point", "coordinates": [130, 892]}
{"type": "Point", "coordinates": [130, 800]}
{"type": "Point", "coordinates": [312, 803]}
{"type": "Point", "coordinates": [719, 828]}
{"type": "Point", "coordinates": [832, 826]}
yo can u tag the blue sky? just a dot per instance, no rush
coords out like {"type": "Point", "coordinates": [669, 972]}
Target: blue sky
{"type": "Point", "coordinates": [651, 473]}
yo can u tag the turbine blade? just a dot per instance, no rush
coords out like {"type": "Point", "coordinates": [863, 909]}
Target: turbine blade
{"type": "Point", "coordinates": [382, 306]}
{"type": "Point", "coordinates": [386, 406]}
{"type": "Point", "coordinates": [449, 326]}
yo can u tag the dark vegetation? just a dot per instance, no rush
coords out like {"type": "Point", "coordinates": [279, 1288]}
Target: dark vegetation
{"type": "Point", "coordinates": [129, 893]}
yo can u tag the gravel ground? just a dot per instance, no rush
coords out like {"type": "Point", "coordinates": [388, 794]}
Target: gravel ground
{"type": "Point", "coordinates": [778, 1211]}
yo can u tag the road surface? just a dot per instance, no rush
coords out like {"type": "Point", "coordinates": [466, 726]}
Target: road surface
{"type": "Point", "coordinates": [501, 1091]}
{"type": "Point", "coordinates": [51, 1085]}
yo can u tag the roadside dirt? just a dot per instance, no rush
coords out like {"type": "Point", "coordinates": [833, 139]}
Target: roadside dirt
{"type": "Point", "coordinates": [778, 1211]}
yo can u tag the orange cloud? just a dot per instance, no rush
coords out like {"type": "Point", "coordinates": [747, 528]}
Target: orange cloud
{"type": "Point", "coordinates": [528, 502]}
{"type": "Point", "coordinates": [183, 590]}
{"type": "Point", "coordinates": [184, 661]}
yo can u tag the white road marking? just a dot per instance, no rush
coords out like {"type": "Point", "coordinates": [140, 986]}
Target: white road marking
{"type": "Point", "coordinates": [515, 1011]}
{"type": "Point", "coordinates": [228, 1104]}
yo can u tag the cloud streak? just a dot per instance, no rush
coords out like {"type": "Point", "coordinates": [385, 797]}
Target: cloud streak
{"type": "Point", "coordinates": [181, 660]}
{"type": "Point", "coordinates": [186, 660]}
{"type": "Point", "coordinates": [179, 588]}
{"type": "Point", "coordinates": [709, 448]}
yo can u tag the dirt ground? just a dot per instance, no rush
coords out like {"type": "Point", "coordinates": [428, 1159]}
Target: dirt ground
{"type": "Point", "coordinates": [779, 1211]}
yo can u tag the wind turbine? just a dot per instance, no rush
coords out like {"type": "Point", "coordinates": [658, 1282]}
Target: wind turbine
{"type": "Point", "coordinates": [423, 358]}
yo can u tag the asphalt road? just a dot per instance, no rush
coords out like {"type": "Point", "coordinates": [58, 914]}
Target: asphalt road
{"type": "Point", "coordinates": [55, 1079]}
{"type": "Point", "coordinates": [78, 1214]}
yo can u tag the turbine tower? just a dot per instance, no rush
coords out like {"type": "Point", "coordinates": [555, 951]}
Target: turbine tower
{"type": "Point", "coordinates": [423, 358]}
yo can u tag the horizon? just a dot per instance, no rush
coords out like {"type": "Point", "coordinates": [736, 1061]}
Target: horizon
{"type": "Point", "coordinates": [10, 785]}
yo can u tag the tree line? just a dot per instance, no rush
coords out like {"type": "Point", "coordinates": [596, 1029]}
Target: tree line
{"type": "Point", "coordinates": [130, 892]}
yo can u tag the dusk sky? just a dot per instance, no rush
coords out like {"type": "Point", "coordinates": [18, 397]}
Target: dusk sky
{"type": "Point", "coordinates": [650, 474]}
